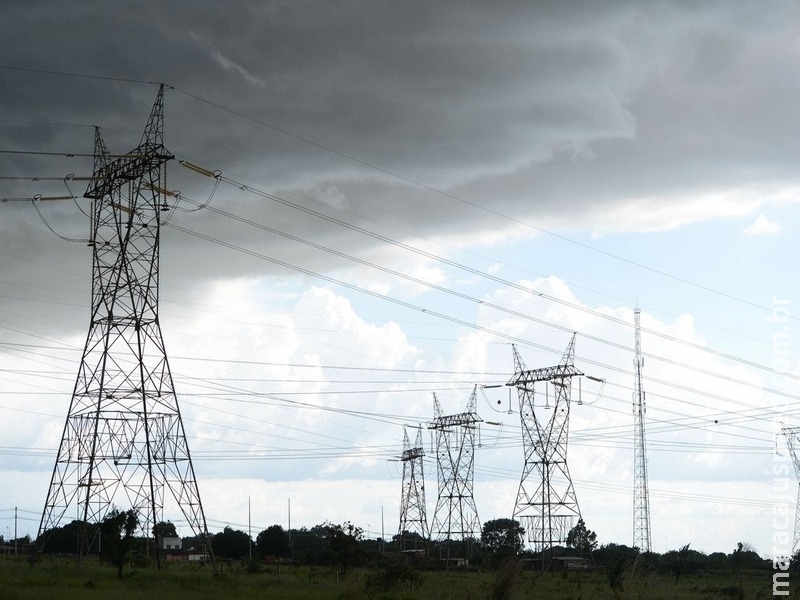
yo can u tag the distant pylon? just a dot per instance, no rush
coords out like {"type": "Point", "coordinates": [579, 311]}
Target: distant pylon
{"type": "Point", "coordinates": [792, 435]}
{"type": "Point", "coordinates": [546, 507]}
{"type": "Point", "coordinates": [123, 443]}
{"type": "Point", "coordinates": [412, 503]}
{"type": "Point", "coordinates": [456, 516]}
{"type": "Point", "coordinates": [641, 495]}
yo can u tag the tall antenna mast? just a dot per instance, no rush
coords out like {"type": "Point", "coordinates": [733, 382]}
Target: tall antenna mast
{"type": "Point", "coordinates": [546, 507]}
{"type": "Point", "coordinates": [123, 443]}
{"type": "Point", "coordinates": [641, 496]}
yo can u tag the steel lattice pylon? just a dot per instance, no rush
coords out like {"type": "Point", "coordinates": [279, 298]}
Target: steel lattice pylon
{"type": "Point", "coordinates": [641, 496]}
{"type": "Point", "coordinates": [456, 516]}
{"type": "Point", "coordinates": [123, 443]}
{"type": "Point", "coordinates": [412, 503]}
{"type": "Point", "coordinates": [792, 435]}
{"type": "Point", "coordinates": [546, 506]}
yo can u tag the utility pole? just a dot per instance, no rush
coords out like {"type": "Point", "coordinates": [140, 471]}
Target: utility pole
{"type": "Point", "coordinates": [412, 500]}
{"type": "Point", "coordinates": [546, 507]}
{"type": "Point", "coordinates": [456, 516]}
{"type": "Point", "coordinates": [641, 495]}
{"type": "Point", "coordinates": [123, 442]}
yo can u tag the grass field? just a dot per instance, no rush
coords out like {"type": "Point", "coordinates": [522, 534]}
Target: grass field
{"type": "Point", "coordinates": [63, 580]}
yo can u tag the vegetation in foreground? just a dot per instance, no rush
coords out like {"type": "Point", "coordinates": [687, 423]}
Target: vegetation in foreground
{"type": "Point", "coordinates": [332, 561]}
{"type": "Point", "coordinates": [60, 578]}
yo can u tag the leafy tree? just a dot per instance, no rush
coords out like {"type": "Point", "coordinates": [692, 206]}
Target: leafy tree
{"type": "Point", "coordinates": [408, 540]}
{"type": "Point", "coordinates": [66, 539]}
{"type": "Point", "coordinates": [273, 541]}
{"type": "Point", "coordinates": [393, 574]}
{"type": "Point", "coordinates": [683, 562]}
{"type": "Point", "coordinates": [611, 555]}
{"type": "Point", "coordinates": [192, 543]}
{"type": "Point", "coordinates": [231, 543]}
{"type": "Point", "coordinates": [165, 530]}
{"type": "Point", "coordinates": [309, 545]}
{"type": "Point", "coordinates": [794, 563]}
{"type": "Point", "coordinates": [343, 543]}
{"type": "Point", "coordinates": [746, 557]}
{"type": "Point", "coordinates": [502, 538]}
{"type": "Point", "coordinates": [717, 561]}
{"type": "Point", "coordinates": [618, 560]}
{"type": "Point", "coordinates": [582, 539]}
{"type": "Point", "coordinates": [117, 530]}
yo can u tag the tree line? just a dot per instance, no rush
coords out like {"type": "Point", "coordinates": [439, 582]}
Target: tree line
{"type": "Point", "coordinates": [344, 547]}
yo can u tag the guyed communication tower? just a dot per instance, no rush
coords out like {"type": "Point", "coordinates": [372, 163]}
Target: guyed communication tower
{"type": "Point", "coordinates": [413, 519]}
{"type": "Point", "coordinates": [123, 445]}
{"type": "Point", "coordinates": [456, 516]}
{"type": "Point", "coordinates": [546, 506]}
{"type": "Point", "coordinates": [641, 495]}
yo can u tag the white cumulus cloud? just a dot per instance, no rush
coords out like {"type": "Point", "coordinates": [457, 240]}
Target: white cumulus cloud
{"type": "Point", "coordinates": [762, 226]}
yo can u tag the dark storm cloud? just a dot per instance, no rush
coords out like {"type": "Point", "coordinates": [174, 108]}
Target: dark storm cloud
{"type": "Point", "coordinates": [410, 87]}
{"type": "Point", "coordinates": [528, 108]}
{"type": "Point", "coordinates": [556, 113]}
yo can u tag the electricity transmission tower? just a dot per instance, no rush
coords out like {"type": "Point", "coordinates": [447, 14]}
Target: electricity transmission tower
{"type": "Point", "coordinates": [641, 496]}
{"type": "Point", "coordinates": [412, 502]}
{"type": "Point", "coordinates": [546, 507]}
{"type": "Point", "coordinates": [123, 443]}
{"type": "Point", "coordinates": [456, 516]}
{"type": "Point", "coordinates": [792, 435]}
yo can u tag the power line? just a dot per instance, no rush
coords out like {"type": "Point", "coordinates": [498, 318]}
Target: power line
{"type": "Point", "coordinates": [482, 274]}
{"type": "Point", "coordinates": [80, 75]}
{"type": "Point", "coordinates": [479, 273]}
{"type": "Point", "coordinates": [474, 205]}
{"type": "Point", "coordinates": [444, 316]}
{"type": "Point", "coordinates": [682, 422]}
{"type": "Point", "coordinates": [393, 174]}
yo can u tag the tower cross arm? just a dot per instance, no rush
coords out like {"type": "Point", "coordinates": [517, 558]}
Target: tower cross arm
{"type": "Point", "coordinates": [461, 419]}
{"type": "Point", "coordinates": [127, 168]}
{"type": "Point", "coordinates": [544, 374]}
{"type": "Point", "coordinates": [412, 453]}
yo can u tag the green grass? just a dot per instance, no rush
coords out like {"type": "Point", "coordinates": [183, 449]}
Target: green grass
{"type": "Point", "coordinates": [63, 580]}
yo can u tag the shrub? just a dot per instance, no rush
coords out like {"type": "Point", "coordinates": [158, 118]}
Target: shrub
{"type": "Point", "coordinates": [394, 574]}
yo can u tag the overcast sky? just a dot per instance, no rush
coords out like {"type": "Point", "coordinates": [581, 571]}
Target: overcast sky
{"type": "Point", "coordinates": [407, 189]}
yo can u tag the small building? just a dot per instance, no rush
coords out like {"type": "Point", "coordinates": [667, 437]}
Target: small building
{"type": "Point", "coordinates": [454, 563]}
{"type": "Point", "coordinates": [570, 563]}
{"type": "Point", "coordinates": [173, 544]}
{"type": "Point", "coordinates": [201, 558]}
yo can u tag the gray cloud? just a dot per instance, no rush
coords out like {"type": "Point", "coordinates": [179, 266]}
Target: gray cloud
{"type": "Point", "coordinates": [581, 114]}
{"type": "Point", "coordinates": [538, 111]}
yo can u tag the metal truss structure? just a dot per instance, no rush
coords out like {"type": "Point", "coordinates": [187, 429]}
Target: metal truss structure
{"type": "Point", "coordinates": [792, 435]}
{"type": "Point", "coordinates": [456, 516]}
{"type": "Point", "coordinates": [413, 519]}
{"type": "Point", "coordinates": [641, 496]}
{"type": "Point", "coordinates": [546, 506]}
{"type": "Point", "coordinates": [123, 445]}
